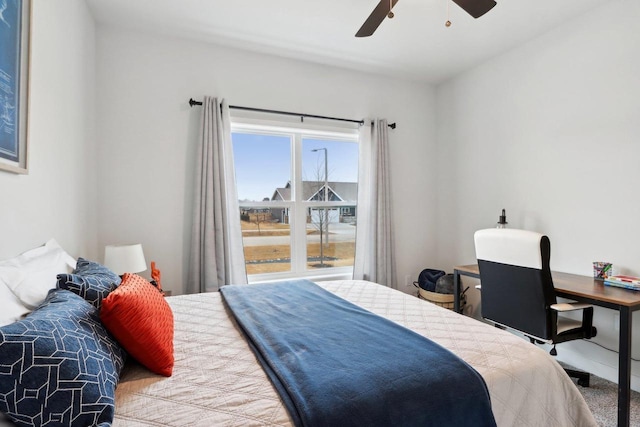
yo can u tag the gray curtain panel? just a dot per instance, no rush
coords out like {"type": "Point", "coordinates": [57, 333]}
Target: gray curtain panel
{"type": "Point", "coordinates": [217, 256]}
{"type": "Point", "coordinates": [374, 257]}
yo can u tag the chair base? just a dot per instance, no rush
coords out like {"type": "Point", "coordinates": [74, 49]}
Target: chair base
{"type": "Point", "coordinates": [583, 377]}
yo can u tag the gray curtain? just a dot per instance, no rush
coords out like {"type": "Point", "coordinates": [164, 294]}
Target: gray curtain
{"type": "Point", "coordinates": [374, 257]}
{"type": "Point", "coordinates": [217, 256]}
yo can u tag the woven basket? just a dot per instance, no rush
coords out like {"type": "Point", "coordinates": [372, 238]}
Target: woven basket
{"type": "Point", "coordinates": [443, 300]}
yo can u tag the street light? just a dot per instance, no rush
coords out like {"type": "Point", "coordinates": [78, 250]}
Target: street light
{"type": "Point", "coordinates": [326, 199]}
{"type": "Point", "coordinates": [326, 173]}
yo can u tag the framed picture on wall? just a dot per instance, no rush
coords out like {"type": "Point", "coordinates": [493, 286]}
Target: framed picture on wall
{"type": "Point", "coordinates": [15, 21]}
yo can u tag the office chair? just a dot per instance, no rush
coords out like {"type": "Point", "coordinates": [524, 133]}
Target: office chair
{"type": "Point", "coordinates": [518, 292]}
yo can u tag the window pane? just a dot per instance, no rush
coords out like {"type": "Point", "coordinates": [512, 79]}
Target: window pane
{"type": "Point", "coordinates": [334, 163]}
{"type": "Point", "coordinates": [263, 166]}
{"type": "Point", "coordinates": [340, 171]}
{"type": "Point", "coordinates": [266, 240]}
{"type": "Point", "coordinates": [331, 237]}
{"type": "Point", "coordinates": [264, 159]}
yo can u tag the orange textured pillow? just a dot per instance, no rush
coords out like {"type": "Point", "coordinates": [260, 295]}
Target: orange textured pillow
{"type": "Point", "coordinates": [138, 316]}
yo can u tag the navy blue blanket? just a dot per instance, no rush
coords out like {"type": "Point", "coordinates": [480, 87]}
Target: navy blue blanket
{"type": "Point", "coordinates": [336, 364]}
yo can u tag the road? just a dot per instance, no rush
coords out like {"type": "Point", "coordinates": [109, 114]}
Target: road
{"type": "Point", "coordinates": [338, 232]}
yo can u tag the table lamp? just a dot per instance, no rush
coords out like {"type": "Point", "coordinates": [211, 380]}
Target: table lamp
{"type": "Point", "coordinates": [124, 258]}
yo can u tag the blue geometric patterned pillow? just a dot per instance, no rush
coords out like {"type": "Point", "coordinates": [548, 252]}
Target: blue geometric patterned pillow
{"type": "Point", "coordinates": [90, 280]}
{"type": "Point", "coordinates": [59, 366]}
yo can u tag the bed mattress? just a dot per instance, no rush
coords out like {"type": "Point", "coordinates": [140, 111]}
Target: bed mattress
{"type": "Point", "coordinates": [217, 380]}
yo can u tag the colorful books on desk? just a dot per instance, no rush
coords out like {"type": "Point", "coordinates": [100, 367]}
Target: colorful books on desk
{"type": "Point", "coordinates": [621, 281]}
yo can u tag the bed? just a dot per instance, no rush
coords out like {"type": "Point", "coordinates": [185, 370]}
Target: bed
{"type": "Point", "coordinates": [217, 380]}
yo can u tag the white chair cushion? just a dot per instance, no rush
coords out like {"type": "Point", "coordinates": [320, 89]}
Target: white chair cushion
{"type": "Point", "coordinates": [509, 246]}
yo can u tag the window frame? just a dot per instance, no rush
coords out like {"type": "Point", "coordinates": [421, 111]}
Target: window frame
{"type": "Point", "coordinates": [298, 132]}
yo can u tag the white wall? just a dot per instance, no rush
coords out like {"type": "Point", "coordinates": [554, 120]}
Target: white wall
{"type": "Point", "coordinates": [57, 197]}
{"type": "Point", "coordinates": [550, 131]}
{"type": "Point", "coordinates": [148, 135]}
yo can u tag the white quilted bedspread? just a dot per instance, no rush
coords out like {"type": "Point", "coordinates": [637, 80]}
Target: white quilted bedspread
{"type": "Point", "coordinates": [218, 382]}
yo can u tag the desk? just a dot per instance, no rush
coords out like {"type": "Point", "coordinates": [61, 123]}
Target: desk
{"type": "Point", "coordinates": [587, 289]}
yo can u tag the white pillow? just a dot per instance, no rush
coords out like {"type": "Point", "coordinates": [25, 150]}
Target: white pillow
{"type": "Point", "coordinates": [32, 274]}
{"type": "Point", "coordinates": [11, 309]}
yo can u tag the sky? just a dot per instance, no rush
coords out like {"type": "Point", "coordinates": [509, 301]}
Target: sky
{"type": "Point", "coordinates": [263, 162]}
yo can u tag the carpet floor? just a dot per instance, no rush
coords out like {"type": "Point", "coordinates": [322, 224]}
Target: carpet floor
{"type": "Point", "coordinates": [602, 398]}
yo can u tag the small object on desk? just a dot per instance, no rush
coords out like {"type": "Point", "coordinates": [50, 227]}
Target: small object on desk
{"type": "Point", "coordinates": [627, 282]}
{"type": "Point", "coordinates": [502, 220]}
{"type": "Point", "coordinates": [624, 279]}
{"type": "Point", "coordinates": [601, 269]}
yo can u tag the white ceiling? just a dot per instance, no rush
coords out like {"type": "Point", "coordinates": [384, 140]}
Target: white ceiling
{"type": "Point", "coordinates": [415, 44]}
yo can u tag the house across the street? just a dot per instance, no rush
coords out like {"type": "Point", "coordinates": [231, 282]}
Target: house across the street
{"type": "Point", "coordinates": [315, 191]}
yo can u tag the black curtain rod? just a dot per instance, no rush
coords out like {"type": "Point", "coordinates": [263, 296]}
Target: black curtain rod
{"type": "Point", "coordinates": [193, 102]}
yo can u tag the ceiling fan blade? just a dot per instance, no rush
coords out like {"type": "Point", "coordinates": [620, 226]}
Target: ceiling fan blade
{"type": "Point", "coordinates": [476, 8]}
{"type": "Point", "coordinates": [375, 19]}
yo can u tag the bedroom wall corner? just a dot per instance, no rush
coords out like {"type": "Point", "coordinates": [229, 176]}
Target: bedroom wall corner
{"type": "Point", "coordinates": [57, 198]}
{"type": "Point", "coordinates": [549, 132]}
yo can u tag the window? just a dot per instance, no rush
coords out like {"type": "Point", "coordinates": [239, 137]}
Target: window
{"type": "Point", "coordinates": [297, 190]}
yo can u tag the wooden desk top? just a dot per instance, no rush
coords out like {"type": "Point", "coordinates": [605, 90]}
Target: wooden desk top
{"type": "Point", "coordinates": [472, 269]}
{"type": "Point", "coordinates": [568, 285]}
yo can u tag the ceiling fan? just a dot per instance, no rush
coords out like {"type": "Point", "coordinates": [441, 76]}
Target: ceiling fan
{"type": "Point", "coordinates": [475, 8]}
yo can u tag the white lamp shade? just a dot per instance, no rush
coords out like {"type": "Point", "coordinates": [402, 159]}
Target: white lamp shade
{"type": "Point", "coordinates": [124, 258]}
